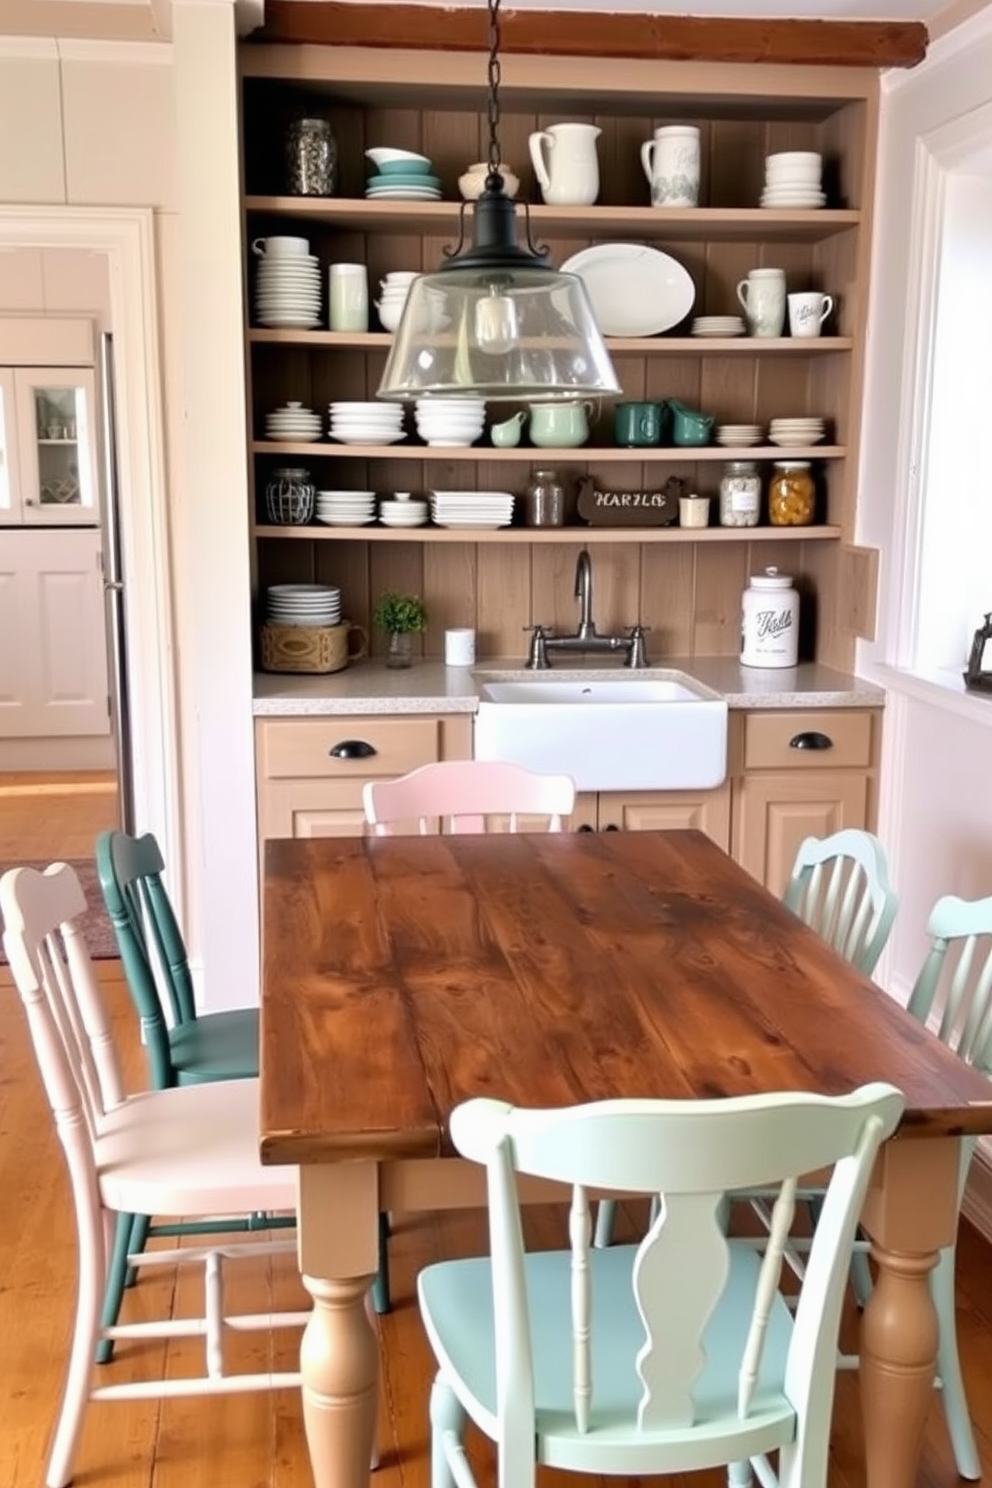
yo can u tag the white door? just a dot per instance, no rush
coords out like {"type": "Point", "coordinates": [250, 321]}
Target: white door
{"type": "Point", "coordinates": [56, 445]}
{"type": "Point", "coordinates": [53, 649]}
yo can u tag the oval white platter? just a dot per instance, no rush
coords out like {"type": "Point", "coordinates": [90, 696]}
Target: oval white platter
{"type": "Point", "coordinates": [635, 290]}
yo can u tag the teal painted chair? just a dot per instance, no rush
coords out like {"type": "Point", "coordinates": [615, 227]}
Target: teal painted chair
{"type": "Point", "coordinates": [676, 1354]}
{"type": "Point", "coordinates": [839, 886]}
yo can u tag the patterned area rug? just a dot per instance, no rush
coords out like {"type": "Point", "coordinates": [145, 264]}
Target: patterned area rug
{"type": "Point", "coordinates": [96, 924]}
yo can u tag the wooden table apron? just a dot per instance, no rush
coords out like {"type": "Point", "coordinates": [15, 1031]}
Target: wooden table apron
{"type": "Point", "coordinates": [404, 975]}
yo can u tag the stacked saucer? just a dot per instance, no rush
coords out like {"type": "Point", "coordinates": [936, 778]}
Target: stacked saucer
{"type": "Point", "coordinates": [402, 512]}
{"type": "Point", "coordinates": [787, 432]}
{"type": "Point", "coordinates": [303, 604]}
{"type": "Point", "coordinates": [287, 290]}
{"type": "Point", "coordinates": [739, 434]}
{"type": "Point", "coordinates": [401, 175]}
{"type": "Point", "coordinates": [478, 509]}
{"type": "Point", "coordinates": [793, 179]}
{"type": "Point", "coordinates": [718, 325]}
{"type": "Point", "coordinates": [345, 508]}
{"type": "Point", "coordinates": [366, 423]}
{"type": "Point", "coordinates": [293, 422]}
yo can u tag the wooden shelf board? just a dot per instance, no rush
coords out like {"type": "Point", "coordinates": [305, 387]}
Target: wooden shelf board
{"type": "Point", "coordinates": [674, 224]}
{"type": "Point", "coordinates": [583, 454]}
{"type": "Point", "coordinates": [636, 345]}
{"type": "Point", "coordinates": [550, 534]}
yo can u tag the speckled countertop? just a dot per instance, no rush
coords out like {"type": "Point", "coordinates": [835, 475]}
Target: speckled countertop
{"type": "Point", "coordinates": [369, 687]}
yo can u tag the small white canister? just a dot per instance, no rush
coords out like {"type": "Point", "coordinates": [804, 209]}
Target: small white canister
{"type": "Point", "coordinates": [770, 621]}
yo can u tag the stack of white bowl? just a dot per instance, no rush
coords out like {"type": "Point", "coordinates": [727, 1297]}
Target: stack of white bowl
{"type": "Point", "coordinates": [450, 421]}
{"type": "Point", "coordinates": [293, 422]}
{"type": "Point", "coordinates": [471, 508]}
{"type": "Point", "coordinates": [393, 292]}
{"type": "Point", "coordinates": [345, 508]}
{"type": "Point", "coordinates": [303, 604]}
{"type": "Point", "coordinates": [366, 423]}
{"type": "Point", "coordinates": [788, 432]}
{"type": "Point", "coordinates": [793, 179]}
{"type": "Point", "coordinates": [718, 325]}
{"type": "Point", "coordinates": [287, 284]}
{"type": "Point", "coordinates": [402, 511]}
{"type": "Point", "coordinates": [739, 434]}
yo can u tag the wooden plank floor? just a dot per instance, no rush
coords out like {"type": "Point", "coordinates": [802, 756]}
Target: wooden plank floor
{"type": "Point", "coordinates": [257, 1441]}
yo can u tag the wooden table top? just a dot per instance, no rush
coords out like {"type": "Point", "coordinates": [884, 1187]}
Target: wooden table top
{"type": "Point", "coordinates": [403, 975]}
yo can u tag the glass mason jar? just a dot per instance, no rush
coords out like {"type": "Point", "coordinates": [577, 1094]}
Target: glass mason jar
{"type": "Point", "coordinates": [289, 497]}
{"type": "Point", "coordinates": [311, 158]}
{"type": "Point", "coordinates": [791, 494]}
{"type": "Point", "coordinates": [400, 650]}
{"type": "Point", "coordinates": [544, 500]}
{"type": "Point", "coordinates": [740, 494]}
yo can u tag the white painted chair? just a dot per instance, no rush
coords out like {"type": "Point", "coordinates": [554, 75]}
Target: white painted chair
{"type": "Point", "coordinates": [840, 886]}
{"type": "Point", "coordinates": [466, 795]}
{"type": "Point", "coordinates": [676, 1354]}
{"type": "Point", "coordinates": [189, 1152]}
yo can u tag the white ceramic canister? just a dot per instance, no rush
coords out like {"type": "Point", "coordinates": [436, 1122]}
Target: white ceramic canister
{"type": "Point", "coordinates": [770, 621]}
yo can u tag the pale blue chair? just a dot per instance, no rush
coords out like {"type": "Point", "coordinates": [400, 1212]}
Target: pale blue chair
{"type": "Point", "coordinates": [839, 886]}
{"type": "Point", "coordinates": [673, 1355]}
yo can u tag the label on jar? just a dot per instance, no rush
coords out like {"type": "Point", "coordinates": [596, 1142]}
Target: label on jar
{"type": "Point", "coordinates": [743, 501]}
{"type": "Point", "coordinates": [770, 629]}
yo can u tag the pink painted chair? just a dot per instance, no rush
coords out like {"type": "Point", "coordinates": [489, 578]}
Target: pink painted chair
{"type": "Point", "coordinates": [190, 1152]}
{"type": "Point", "coordinates": [469, 796]}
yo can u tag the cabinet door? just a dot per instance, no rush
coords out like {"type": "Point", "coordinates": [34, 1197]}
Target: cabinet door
{"type": "Point", "coordinates": [56, 438]}
{"type": "Point", "coordinates": [659, 811]}
{"type": "Point", "coordinates": [10, 484]}
{"type": "Point", "coordinates": [310, 808]}
{"type": "Point", "coordinates": [53, 681]}
{"type": "Point", "coordinates": [774, 812]}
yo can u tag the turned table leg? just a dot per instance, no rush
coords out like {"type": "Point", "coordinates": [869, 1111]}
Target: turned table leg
{"type": "Point", "coordinates": [910, 1214]}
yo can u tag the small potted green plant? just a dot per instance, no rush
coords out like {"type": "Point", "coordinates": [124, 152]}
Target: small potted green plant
{"type": "Point", "coordinates": [401, 616]}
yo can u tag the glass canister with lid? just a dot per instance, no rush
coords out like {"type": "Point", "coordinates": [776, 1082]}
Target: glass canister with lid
{"type": "Point", "coordinates": [791, 494]}
{"type": "Point", "coordinates": [740, 494]}
{"type": "Point", "coordinates": [311, 158]}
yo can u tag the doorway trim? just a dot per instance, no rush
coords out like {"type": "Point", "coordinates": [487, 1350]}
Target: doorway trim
{"type": "Point", "coordinates": [126, 237]}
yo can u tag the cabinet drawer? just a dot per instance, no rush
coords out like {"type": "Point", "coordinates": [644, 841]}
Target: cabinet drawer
{"type": "Point", "coordinates": [769, 739]}
{"type": "Point", "coordinates": [294, 748]}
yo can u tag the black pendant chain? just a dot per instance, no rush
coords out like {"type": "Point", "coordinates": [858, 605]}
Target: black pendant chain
{"type": "Point", "coordinates": [494, 81]}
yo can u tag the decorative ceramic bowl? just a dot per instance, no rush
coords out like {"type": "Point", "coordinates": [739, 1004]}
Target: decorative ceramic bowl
{"type": "Point", "coordinates": [471, 184]}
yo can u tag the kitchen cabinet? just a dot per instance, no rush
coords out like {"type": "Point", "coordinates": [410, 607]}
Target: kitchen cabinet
{"type": "Point", "coordinates": [685, 583]}
{"type": "Point", "coordinates": [656, 811]}
{"type": "Point", "coordinates": [53, 664]}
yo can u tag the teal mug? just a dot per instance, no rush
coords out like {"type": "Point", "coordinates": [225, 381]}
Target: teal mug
{"type": "Point", "coordinates": [688, 426]}
{"type": "Point", "coordinates": [637, 423]}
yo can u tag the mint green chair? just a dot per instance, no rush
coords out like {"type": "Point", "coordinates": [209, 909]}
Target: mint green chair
{"type": "Point", "coordinates": [679, 1353]}
{"type": "Point", "coordinates": [839, 886]}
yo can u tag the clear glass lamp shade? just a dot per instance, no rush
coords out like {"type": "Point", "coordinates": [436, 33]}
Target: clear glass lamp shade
{"type": "Point", "coordinates": [501, 334]}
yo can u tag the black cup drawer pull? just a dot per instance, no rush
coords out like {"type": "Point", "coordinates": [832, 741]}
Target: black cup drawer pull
{"type": "Point", "coordinates": [811, 740]}
{"type": "Point", "coordinates": [350, 749]}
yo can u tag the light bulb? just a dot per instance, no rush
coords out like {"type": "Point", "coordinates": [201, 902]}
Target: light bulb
{"type": "Point", "coordinates": [496, 328]}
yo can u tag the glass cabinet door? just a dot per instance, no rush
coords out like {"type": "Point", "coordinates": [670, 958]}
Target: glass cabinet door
{"type": "Point", "coordinates": [10, 496]}
{"type": "Point", "coordinates": [55, 412]}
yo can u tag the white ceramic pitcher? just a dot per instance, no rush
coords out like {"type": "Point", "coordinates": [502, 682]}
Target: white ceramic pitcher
{"type": "Point", "coordinates": [566, 164]}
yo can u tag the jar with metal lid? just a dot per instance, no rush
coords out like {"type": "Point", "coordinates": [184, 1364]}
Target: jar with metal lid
{"type": "Point", "coordinates": [791, 494]}
{"type": "Point", "coordinates": [311, 158]}
{"type": "Point", "coordinates": [544, 500]}
{"type": "Point", "coordinates": [770, 621]}
{"type": "Point", "coordinates": [740, 494]}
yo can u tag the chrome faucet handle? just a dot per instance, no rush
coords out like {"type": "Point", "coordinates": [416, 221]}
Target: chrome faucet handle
{"type": "Point", "coordinates": [637, 655]}
{"type": "Point", "coordinates": [537, 660]}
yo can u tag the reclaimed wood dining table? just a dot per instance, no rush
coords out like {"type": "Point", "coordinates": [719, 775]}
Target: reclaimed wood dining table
{"type": "Point", "coordinates": [403, 975]}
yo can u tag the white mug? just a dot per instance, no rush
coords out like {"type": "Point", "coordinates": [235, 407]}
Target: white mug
{"type": "Point", "coordinates": [281, 247]}
{"type": "Point", "coordinates": [348, 297]}
{"type": "Point", "coordinates": [808, 311]}
{"type": "Point", "coordinates": [671, 164]}
{"type": "Point", "coordinates": [459, 647]}
{"type": "Point", "coordinates": [762, 294]}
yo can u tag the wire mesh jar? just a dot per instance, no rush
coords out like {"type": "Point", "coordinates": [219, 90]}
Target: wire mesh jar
{"type": "Point", "coordinates": [289, 498]}
{"type": "Point", "coordinates": [311, 158]}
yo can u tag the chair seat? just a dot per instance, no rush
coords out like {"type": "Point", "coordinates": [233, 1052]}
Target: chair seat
{"type": "Point", "coordinates": [183, 1152]}
{"type": "Point", "coordinates": [216, 1046]}
{"type": "Point", "coordinates": [456, 1301]}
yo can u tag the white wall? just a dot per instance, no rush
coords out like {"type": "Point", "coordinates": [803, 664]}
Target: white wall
{"type": "Point", "coordinates": [936, 815]}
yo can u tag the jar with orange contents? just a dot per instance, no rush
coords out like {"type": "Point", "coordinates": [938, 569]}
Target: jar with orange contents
{"type": "Point", "coordinates": [791, 494]}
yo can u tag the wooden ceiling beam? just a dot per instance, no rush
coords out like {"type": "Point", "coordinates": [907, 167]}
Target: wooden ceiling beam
{"type": "Point", "coordinates": [876, 44]}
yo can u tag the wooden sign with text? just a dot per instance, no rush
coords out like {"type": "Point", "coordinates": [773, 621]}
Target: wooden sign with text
{"type": "Point", "coordinates": [630, 508]}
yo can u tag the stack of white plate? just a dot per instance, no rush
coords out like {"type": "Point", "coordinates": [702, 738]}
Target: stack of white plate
{"type": "Point", "coordinates": [345, 508]}
{"type": "Point", "coordinates": [718, 325]}
{"type": "Point", "coordinates": [793, 179]}
{"type": "Point", "coordinates": [739, 434]}
{"type": "Point", "coordinates": [403, 513]}
{"type": "Point", "coordinates": [287, 290]}
{"type": "Point", "coordinates": [450, 421]}
{"type": "Point", "coordinates": [293, 422]}
{"type": "Point", "coordinates": [366, 423]}
{"type": "Point", "coordinates": [795, 431]}
{"type": "Point", "coordinates": [303, 604]}
{"type": "Point", "coordinates": [471, 508]}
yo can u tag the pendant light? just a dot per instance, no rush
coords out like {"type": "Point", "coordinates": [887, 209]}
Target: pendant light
{"type": "Point", "coordinates": [497, 321]}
